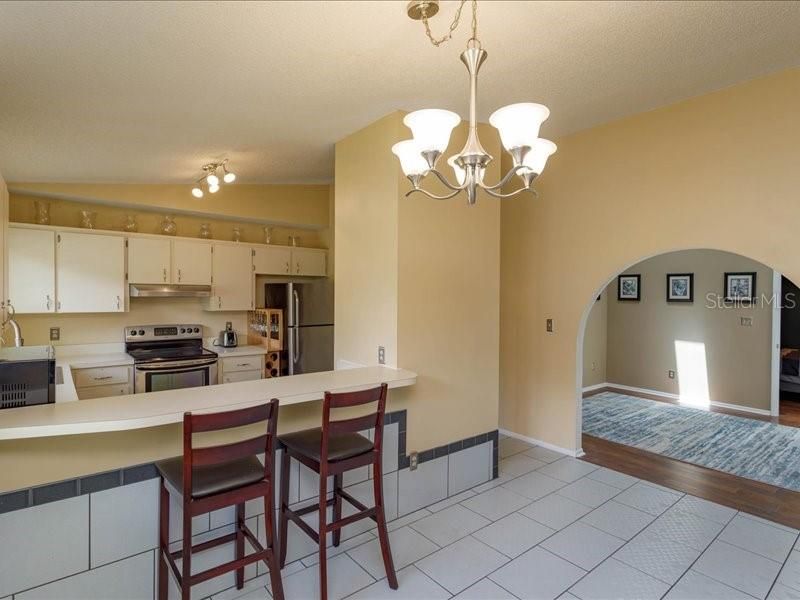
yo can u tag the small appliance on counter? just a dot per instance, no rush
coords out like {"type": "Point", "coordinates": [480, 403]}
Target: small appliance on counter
{"type": "Point", "coordinates": [27, 376]}
{"type": "Point", "coordinates": [227, 338]}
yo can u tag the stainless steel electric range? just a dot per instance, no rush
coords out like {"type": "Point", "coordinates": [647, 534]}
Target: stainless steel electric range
{"type": "Point", "coordinates": [169, 357]}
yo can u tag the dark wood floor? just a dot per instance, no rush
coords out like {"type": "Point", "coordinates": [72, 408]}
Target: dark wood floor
{"type": "Point", "coordinates": [767, 501]}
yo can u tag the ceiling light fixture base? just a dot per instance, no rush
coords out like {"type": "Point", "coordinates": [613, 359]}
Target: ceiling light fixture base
{"type": "Point", "coordinates": [420, 9]}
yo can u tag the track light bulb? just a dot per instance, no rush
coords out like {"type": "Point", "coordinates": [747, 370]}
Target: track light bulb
{"type": "Point", "coordinates": [197, 192]}
{"type": "Point", "coordinates": [212, 180]}
{"type": "Point", "coordinates": [229, 177]}
{"type": "Point", "coordinates": [213, 189]}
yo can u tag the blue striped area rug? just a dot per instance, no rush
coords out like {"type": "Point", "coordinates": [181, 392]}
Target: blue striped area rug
{"type": "Point", "coordinates": [745, 447]}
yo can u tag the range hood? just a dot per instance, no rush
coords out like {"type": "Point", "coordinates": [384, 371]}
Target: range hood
{"type": "Point", "coordinates": [158, 290]}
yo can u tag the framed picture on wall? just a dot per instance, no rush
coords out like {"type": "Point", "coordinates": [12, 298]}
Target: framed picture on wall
{"type": "Point", "coordinates": [629, 287]}
{"type": "Point", "coordinates": [740, 286]}
{"type": "Point", "coordinates": [680, 287]}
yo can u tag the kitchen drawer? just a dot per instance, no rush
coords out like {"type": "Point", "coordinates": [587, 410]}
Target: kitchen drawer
{"type": "Point", "coordinates": [242, 363]}
{"type": "Point", "coordinates": [104, 391]}
{"type": "Point", "coordinates": [100, 376]}
{"type": "Point", "coordinates": [241, 376]}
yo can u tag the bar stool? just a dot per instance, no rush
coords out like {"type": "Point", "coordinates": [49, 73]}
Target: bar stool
{"type": "Point", "coordinates": [213, 477]}
{"type": "Point", "coordinates": [335, 448]}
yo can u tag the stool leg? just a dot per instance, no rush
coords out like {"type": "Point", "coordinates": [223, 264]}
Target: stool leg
{"type": "Point", "coordinates": [163, 542]}
{"type": "Point", "coordinates": [383, 534]}
{"type": "Point", "coordinates": [323, 533]}
{"type": "Point", "coordinates": [284, 521]}
{"type": "Point", "coordinates": [272, 557]}
{"type": "Point", "coordinates": [337, 507]}
{"type": "Point", "coordinates": [186, 568]}
{"type": "Point", "coordinates": [240, 543]}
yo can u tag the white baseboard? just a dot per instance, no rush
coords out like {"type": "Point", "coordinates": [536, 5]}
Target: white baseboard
{"type": "Point", "coordinates": [670, 396]}
{"type": "Point", "coordinates": [596, 386]}
{"type": "Point", "coordinates": [549, 446]}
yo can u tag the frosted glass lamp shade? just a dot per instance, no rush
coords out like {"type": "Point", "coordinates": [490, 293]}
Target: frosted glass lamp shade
{"type": "Point", "coordinates": [212, 179]}
{"type": "Point", "coordinates": [197, 192]}
{"type": "Point", "coordinates": [519, 124]}
{"type": "Point", "coordinates": [213, 189]}
{"type": "Point", "coordinates": [432, 128]}
{"type": "Point", "coordinates": [229, 177]}
{"type": "Point", "coordinates": [536, 159]}
{"type": "Point", "coordinates": [460, 173]}
{"type": "Point", "coordinates": [411, 161]}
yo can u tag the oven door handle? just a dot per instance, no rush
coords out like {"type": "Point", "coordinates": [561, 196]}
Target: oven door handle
{"type": "Point", "coordinates": [174, 369]}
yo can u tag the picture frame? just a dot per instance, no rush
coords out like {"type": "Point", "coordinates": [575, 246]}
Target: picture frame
{"type": "Point", "coordinates": [629, 288]}
{"type": "Point", "coordinates": [680, 287]}
{"type": "Point", "coordinates": [740, 286]}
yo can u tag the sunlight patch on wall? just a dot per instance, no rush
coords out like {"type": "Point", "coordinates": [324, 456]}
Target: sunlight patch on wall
{"type": "Point", "coordinates": [692, 373]}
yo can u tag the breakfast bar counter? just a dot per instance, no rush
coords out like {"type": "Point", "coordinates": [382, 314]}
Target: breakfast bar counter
{"type": "Point", "coordinates": [139, 411]}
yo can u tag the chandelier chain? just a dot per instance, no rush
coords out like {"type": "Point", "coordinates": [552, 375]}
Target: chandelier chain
{"type": "Point", "coordinates": [453, 26]}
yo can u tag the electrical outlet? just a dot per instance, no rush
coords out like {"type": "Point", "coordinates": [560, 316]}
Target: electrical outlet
{"type": "Point", "coordinates": [413, 461]}
{"type": "Point", "coordinates": [746, 321]}
{"type": "Point", "coordinates": [671, 374]}
{"type": "Point", "coordinates": [594, 365]}
{"type": "Point", "coordinates": [549, 325]}
{"type": "Point", "coordinates": [55, 334]}
{"type": "Point", "coordinates": [381, 355]}
{"type": "Point", "coordinates": [228, 325]}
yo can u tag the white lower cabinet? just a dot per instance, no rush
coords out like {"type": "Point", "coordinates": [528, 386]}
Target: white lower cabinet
{"type": "Point", "coordinates": [102, 382]}
{"type": "Point", "coordinates": [90, 272]}
{"type": "Point", "coordinates": [241, 368]}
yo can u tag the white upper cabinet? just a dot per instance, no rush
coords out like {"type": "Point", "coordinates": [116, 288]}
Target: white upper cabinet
{"type": "Point", "coordinates": [32, 270]}
{"type": "Point", "coordinates": [233, 278]}
{"type": "Point", "coordinates": [309, 261]}
{"type": "Point", "coordinates": [191, 262]}
{"type": "Point", "coordinates": [90, 271]}
{"type": "Point", "coordinates": [148, 260]}
{"type": "Point", "coordinates": [272, 260]}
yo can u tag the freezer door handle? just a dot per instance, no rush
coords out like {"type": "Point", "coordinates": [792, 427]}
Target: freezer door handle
{"type": "Point", "coordinates": [296, 333]}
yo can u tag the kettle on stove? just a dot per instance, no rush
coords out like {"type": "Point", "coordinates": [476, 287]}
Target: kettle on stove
{"type": "Point", "coordinates": [227, 338]}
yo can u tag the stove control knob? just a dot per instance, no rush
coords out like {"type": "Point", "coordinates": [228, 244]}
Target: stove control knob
{"type": "Point", "coordinates": [141, 332]}
{"type": "Point", "coordinates": [183, 330]}
{"type": "Point", "coordinates": [132, 332]}
{"type": "Point", "coordinates": [196, 330]}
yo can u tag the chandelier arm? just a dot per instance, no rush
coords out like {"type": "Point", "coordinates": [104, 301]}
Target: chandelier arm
{"type": "Point", "coordinates": [514, 193]}
{"type": "Point", "coordinates": [513, 171]}
{"type": "Point", "coordinates": [434, 196]}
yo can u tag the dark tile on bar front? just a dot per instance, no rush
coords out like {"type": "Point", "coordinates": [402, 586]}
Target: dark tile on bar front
{"type": "Point", "coordinates": [440, 451]}
{"type": "Point", "coordinates": [426, 455]}
{"type": "Point", "coordinates": [140, 473]}
{"type": "Point", "coordinates": [100, 482]}
{"type": "Point", "coordinates": [401, 442]}
{"type": "Point", "coordinates": [494, 435]}
{"type": "Point", "coordinates": [403, 463]}
{"type": "Point", "coordinates": [469, 442]}
{"type": "Point", "coordinates": [13, 501]}
{"type": "Point", "coordinates": [55, 491]}
{"type": "Point", "coordinates": [455, 446]}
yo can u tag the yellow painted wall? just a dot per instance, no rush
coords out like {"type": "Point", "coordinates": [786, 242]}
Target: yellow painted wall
{"type": "Point", "coordinates": [420, 277]}
{"type": "Point", "coordinates": [594, 343]}
{"type": "Point", "coordinates": [719, 171]}
{"type": "Point", "coordinates": [303, 205]}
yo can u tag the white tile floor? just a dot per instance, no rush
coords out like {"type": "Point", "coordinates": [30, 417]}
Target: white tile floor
{"type": "Point", "coordinates": [556, 527]}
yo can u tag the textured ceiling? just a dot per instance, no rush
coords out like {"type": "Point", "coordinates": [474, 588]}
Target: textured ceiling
{"type": "Point", "coordinates": [146, 92]}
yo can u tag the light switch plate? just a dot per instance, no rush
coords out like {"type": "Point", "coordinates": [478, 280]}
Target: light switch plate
{"type": "Point", "coordinates": [671, 374]}
{"type": "Point", "coordinates": [549, 325]}
{"type": "Point", "coordinates": [746, 321]}
{"type": "Point", "coordinates": [381, 355]}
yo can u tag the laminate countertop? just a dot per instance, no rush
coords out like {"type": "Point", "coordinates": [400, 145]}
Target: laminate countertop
{"type": "Point", "coordinates": [139, 411]}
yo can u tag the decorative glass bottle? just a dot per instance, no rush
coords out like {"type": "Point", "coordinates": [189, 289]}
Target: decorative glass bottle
{"type": "Point", "coordinates": [130, 225]}
{"type": "Point", "coordinates": [205, 231]}
{"type": "Point", "coordinates": [42, 212]}
{"type": "Point", "coordinates": [88, 219]}
{"type": "Point", "coordinates": [237, 234]}
{"type": "Point", "coordinates": [168, 226]}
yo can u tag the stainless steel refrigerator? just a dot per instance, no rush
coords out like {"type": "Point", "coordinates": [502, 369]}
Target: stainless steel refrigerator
{"type": "Point", "coordinates": [308, 312]}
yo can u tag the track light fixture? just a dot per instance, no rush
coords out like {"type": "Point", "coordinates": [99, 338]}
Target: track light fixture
{"type": "Point", "coordinates": [211, 178]}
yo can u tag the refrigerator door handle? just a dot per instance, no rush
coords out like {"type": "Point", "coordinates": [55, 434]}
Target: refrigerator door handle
{"type": "Point", "coordinates": [296, 357]}
{"type": "Point", "coordinates": [296, 319]}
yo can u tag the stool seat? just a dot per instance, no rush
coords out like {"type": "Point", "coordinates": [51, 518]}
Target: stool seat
{"type": "Point", "coordinates": [212, 479]}
{"type": "Point", "coordinates": [308, 442]}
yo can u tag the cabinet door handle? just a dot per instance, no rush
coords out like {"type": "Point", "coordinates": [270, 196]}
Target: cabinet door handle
{"type": "Point", "coordinates": [220, 302]}
{"type": "Point", "coordinates": [48, 301]}
{"type": "Point", "coordinates": [58, 305]}
{"type": "Point", "coordinates": [297, 269]}
{"type": "Point", "coordinates": [104, 378]}
{"type": "Point", "coordinates": [118, 302]}
{"type": "Point", "coordinates": [179, 276]}
{"type": "Point", "coordinates": [165, 275]}
{"type": "Point", "coordinates": [287, 266]}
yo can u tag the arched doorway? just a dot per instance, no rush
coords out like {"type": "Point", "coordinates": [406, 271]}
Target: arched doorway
{"type": "Point", "coordinates": [674, 336]}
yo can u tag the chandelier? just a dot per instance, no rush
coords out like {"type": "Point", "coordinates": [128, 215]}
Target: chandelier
{"type": "Point", "coordinates": [211, 178]}
{"type": "Point", "coordinates": [518, 125]}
